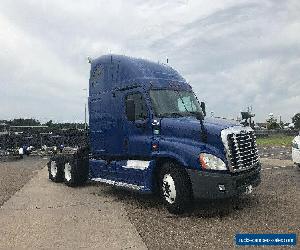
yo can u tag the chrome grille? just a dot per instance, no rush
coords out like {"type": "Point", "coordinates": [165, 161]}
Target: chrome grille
{"type": "Point", "coordinates": [241, 148]}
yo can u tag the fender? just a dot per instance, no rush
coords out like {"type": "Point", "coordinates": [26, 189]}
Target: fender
{"type": "Point", "coordinates": [186, 152]}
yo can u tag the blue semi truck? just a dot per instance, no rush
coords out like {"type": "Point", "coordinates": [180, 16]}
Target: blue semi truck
{"type": "Point", "coordinates": [149, 132]}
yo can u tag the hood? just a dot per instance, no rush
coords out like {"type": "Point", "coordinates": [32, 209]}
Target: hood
{"type": "Point", "coordinates": [189, 128]}
{"type": "Point", "coordinates": [216, 125]}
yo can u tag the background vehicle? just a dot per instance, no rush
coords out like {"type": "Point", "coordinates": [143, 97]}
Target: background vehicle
{"type": "Point", "coordinates": [296, 150]}
{"type": "Point", "coordinates": [148, 132]}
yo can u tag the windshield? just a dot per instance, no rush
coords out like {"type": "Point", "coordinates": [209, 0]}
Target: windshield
{"type": "Point", "coordinates": [174, 103]}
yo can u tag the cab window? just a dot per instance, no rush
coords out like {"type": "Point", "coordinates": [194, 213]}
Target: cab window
{"type": "Point", "coordinates": [141, 111]}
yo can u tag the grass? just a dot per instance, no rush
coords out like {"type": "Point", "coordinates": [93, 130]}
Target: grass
{"type": "Point", "coordinates": [275, 140]}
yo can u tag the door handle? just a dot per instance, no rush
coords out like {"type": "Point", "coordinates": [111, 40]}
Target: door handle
{"type": "Point", "coordinates": [140, 124]}
{"type": "Point", "coordinates": [125, 143]}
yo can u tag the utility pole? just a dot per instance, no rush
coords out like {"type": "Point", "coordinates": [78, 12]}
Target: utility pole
{"type": "Point", "coordinates": [85, 125]}
{"type": "Point", "coordinates": [85, 120]}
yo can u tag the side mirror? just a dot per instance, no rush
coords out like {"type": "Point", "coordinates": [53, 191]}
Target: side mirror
{"type": "Point", "coordinates": [130, 110]}
{"type": "Point", "coordinates": [202, 105]}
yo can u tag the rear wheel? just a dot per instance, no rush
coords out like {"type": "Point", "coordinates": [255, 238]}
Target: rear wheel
{"type": "Point", "coordinates": [55, 169]}
{"type": "Point", "coordinates": [175, 188]}
{"type": "Point", "coordinates": [76, 169]}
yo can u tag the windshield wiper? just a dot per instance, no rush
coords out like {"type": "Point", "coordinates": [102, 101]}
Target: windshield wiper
{"type": "Point", "coordinates": [176, 114]}
{"type": "Point", "coordinates": [173, 114]}
{"type": "Point", "coordinates": [197, 114]}
{"type": "Point", "coordinates": [199, 117]}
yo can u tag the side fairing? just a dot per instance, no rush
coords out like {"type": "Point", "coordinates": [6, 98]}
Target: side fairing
{"type": "Point", "coordinates": [135, 174]}
{"type": "Point", "coordinates": [106, 124]}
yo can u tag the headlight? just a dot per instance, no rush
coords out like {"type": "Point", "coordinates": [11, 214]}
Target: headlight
{"type": "Point", "coordinates": [212, 162]}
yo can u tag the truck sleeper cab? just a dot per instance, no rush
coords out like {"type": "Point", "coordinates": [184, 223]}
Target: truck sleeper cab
{"type": "Point", "coordinates": [148, 132]}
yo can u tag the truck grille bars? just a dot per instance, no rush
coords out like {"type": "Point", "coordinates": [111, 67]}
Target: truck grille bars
{"type": "Point", "coordinates": [241, 149]}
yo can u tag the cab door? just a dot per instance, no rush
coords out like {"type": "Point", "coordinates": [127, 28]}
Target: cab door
{"type": "Point", "coordinates": [137, 142]}
{"type": "Point", "coordinates": [138, 132]}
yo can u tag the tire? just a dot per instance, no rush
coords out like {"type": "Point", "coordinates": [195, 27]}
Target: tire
{"type": "Point", "coordinates": [175, 188]}
{"type": "Point", "coordinates": [55, 169]}
{"type": "Point", "coordinates": [76, 169]}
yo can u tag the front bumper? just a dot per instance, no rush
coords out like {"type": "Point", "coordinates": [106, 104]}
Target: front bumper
{"type": "Point", "coordinates": [206, 184]}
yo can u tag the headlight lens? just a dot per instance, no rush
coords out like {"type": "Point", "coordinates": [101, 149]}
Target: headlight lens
{"type": "Point", "coordinates": [209, 161]}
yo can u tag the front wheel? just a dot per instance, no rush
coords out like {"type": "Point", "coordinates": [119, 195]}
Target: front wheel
{"type": "Point", "coordinates": [175, 188]}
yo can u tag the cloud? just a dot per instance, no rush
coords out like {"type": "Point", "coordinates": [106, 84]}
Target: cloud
{"type": "Point", "coordinates": [233, 53]}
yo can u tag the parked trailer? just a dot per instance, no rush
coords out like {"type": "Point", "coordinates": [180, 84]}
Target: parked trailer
{"type": "Point", "coordinates": [148, 132]}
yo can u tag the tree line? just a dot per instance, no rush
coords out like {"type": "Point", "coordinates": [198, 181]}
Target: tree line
{"type": "Point", "coordinates": [34, 122]}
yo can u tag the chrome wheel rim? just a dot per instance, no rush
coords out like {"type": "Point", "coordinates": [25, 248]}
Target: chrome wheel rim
{"type": "Point", "coordinates": [67, 170]}
{"type": "Point", "coordinates": [169, 190]}
{"type": "Point", "coordinates": [53, 168]}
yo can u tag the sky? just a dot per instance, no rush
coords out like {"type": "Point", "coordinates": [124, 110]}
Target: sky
{"type": "Point", "coordinates": [234, 53]}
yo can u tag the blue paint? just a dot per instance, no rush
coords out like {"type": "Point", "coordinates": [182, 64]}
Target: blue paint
{"type": "Point", "coordinates": [116, 140]}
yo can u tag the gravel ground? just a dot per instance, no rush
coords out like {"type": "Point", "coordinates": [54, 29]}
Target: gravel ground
{"type": "Point", "coordinates": [272, 208]}
{"type": "Point", "coordinates": [275, 152]}
{"type": "Point", "coordinates": [15, 174]}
